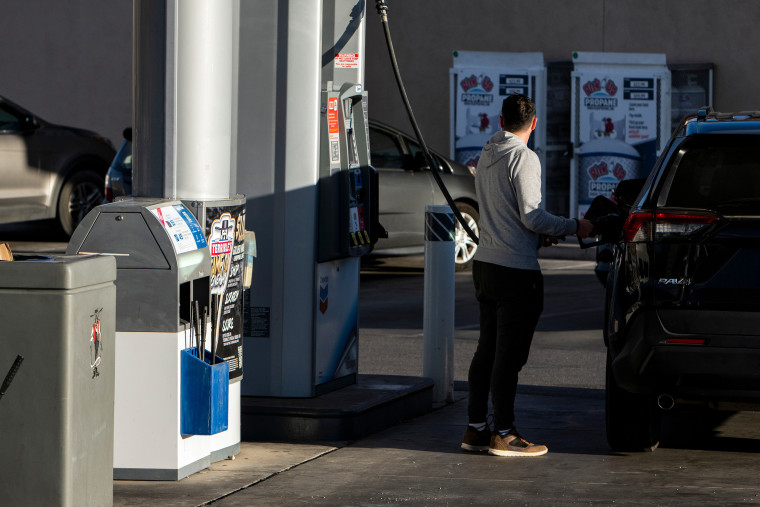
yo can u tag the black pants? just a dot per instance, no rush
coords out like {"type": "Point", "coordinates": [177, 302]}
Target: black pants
{"type": "Point", "coordinates": [511, 301]}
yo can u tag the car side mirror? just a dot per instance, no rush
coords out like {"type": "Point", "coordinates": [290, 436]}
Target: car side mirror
{"type": "Point", "coordinates": [29, 123]}
{"type": "Point", "coordinates": [420, 164]}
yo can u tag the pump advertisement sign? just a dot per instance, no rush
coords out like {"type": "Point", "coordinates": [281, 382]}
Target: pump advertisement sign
{"type": "Point", "coordinates": [225, 229]}
{"type": "Point", "coordinates": [334, 134]}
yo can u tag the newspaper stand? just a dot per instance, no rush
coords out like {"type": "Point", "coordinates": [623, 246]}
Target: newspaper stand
{"type": "Point", "coordinates": [163, 269]}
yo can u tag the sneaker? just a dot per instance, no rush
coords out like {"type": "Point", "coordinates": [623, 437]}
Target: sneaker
{"type": "Point", "coordinates": [513, 444]}
{"type": "Point", "coordinates": [476, 441]}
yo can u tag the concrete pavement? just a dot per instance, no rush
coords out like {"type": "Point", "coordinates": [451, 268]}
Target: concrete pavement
{"type": "Point", "coordinates": [706, 459]}
{"type": "Point", "coordinates": [419, 463]}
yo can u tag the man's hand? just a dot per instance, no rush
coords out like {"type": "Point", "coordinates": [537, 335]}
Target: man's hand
{"type": "Point", "coordinates": [585, 228]}
{"type": "Point", "coordinates": [550, 240]}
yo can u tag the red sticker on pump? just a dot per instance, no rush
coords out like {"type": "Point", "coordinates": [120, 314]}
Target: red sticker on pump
{"type": "Point", "coordinates": [332, 115]}
{"type": "Point", "coordinates": [360, 212]}
{"type": "Point", "coordinates": [347, 61]}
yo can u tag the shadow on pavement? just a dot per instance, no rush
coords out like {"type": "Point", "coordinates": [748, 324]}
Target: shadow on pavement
{"type": "Point", "coordinates": [36, 237]}
{"type": "Point", "coordinates": [700, 428]}
{"type": "Point", "coordinates": [397, 265]}
{"type": "Point", "coordinates": [35, 231]}
{"type": "Point", "coordinates": [569, 419]}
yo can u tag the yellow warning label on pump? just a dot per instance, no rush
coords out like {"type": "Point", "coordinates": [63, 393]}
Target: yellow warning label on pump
{"type": "Point", "coordinates": [353, 238]}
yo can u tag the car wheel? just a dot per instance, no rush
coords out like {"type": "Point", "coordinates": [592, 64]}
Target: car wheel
{"type": "Point", "coordinates": [633, 420]}
{"type": "Point", "coordinates": [464, 246]}
{"type": "Point", "coordinates": [81, 192]}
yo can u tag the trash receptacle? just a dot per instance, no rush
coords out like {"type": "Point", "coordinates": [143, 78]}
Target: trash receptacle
{"type": "Point", "coordinates": [56, 416]}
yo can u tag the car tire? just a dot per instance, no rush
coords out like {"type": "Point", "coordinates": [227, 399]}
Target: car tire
{"type": "Point", "coordinates": [464, 246]}
{"type": "Point", "coordinates": [607, 308]}
{"type": "Point", "coordinates": [80, 193]}
{"type": "Point", "coordinates": [632, 420]}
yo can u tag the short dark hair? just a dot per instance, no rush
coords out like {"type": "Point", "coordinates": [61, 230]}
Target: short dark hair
{"type": "Point", "coordinates": [518, 112]}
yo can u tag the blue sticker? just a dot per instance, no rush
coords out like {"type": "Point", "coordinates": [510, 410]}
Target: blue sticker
{"type": "Point", "coordinates": [193, 225]}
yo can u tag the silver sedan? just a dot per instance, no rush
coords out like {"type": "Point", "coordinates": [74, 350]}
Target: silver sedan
{"type": "Point", "coordinates": [48, 171]}
{"type": "Point", "coordinates": [407, 186]}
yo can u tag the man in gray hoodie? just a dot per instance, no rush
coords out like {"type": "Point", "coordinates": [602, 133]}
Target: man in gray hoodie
{"type": "Point", "coordinates": [507, 276]}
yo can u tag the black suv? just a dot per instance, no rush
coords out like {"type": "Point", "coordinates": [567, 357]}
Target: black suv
{"type": "Point", "coordinates": [682, 320]}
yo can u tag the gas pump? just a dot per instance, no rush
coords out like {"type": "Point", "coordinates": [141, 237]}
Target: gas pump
{"type": "Point", "coordinates": [348, 191]}
{"type": "Point", "coordinates": [311, 197]}
{"type": "Point", "coordinates": [311, 194]}
{"type": "Point", "coordinates": [348, 229]}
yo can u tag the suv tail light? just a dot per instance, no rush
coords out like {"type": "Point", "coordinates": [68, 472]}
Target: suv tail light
{"type": "Point", "coordinates": [638, 226]}
{"type": "Point", "coordinates": [645, 226]}
{"type": "Point", "coordinates": [108, 192]}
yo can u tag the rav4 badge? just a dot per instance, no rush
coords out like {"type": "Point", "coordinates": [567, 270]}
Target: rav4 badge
{"type": "Point", "coordinates": [674, 281]}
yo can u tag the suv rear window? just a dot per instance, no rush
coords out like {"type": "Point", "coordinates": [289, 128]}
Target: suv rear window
{"type": "Point", "coordinates": [716, 172]}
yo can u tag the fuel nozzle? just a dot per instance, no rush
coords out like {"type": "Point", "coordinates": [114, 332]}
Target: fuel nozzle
{"type": "Point", "coordinates": [608, 223]}
{"type": "Point", "coordinates": [382, 9]}
{"type": "Point", "coordinates": [608, 227]}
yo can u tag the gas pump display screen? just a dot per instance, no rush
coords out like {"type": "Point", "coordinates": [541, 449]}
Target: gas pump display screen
{"type": "Point", "coordinates": [182, 228]}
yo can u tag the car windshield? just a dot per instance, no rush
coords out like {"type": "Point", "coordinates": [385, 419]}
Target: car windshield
{"type": "Point", "coordinates": [385, 150]}
{"type": "Point", "coordinates": [8, 120]}
{"type": "Point", "coordinates": [717, 172]}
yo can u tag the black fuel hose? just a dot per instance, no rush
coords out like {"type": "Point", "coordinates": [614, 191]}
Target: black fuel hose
{"type": "Point", "coordinates": [382, 9]}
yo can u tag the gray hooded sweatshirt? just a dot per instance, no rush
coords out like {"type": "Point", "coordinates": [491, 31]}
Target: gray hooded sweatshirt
{"type": "Point", "coordinates": [508, 184]}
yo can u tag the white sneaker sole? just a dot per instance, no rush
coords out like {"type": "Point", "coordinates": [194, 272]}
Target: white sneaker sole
{"type": "Point", "coordinates": [498, 452]}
